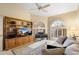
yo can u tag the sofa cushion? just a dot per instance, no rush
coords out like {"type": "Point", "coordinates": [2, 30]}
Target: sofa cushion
{"type": "Point", "coordinates": [61, 39]}
{"type": "Point", "coordinates": [69, 41]}
{"type": "Point", "coordinates": [54, 43]}
{"type": "Point", "coordinates": [72, 49]}
{"type": "Point", "coordinates": [56, 51]}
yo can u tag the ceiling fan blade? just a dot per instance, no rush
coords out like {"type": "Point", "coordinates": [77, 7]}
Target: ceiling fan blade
{"type": "Point", "coordinates": [38, 5]}
{"type": "Point", "coordinates": [45, 6]}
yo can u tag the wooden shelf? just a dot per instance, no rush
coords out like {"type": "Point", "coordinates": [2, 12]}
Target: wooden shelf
{"type": "Point", "coordinates": [13, 23]}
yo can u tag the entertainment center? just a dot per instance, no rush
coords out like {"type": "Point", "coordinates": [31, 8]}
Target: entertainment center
{"type": "Point", "coordinates": [16, 32]}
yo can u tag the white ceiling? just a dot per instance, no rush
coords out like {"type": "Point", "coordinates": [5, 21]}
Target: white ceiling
{"type": "Point", "coordinates": [53, 9]}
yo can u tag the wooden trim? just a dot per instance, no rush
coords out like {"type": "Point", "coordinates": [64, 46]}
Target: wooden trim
{"type": "Point", "coordinates": [17, 19]}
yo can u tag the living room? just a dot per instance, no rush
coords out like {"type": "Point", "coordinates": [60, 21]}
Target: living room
{"type": "Point", "coordinates": [35, 28]}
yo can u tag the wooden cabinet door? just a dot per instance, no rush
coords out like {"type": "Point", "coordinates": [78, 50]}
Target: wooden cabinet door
{"type": "Point", "coordinates": [6, 47]}
{"type": "Point", "coordinates": [18, 41]}
{"type": "Point", "coordinates": [30, 38]}
{"type": "Point", "coordinates": [11, 43]}
{"type": "Point", "coordinates": [25, 40]}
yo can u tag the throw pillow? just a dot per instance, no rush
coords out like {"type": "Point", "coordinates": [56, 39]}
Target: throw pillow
{"type": "Point", "coordinates": [61, 39]}
{"type": "Point", "coordinates": [69, 41]}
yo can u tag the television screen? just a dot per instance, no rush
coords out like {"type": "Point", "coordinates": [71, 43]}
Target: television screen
{"type": "Point", "coordinates": [24, 30]}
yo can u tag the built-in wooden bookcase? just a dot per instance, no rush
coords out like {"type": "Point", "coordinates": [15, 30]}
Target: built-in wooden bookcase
{"type": "Point", "coordinates": [10, 26]}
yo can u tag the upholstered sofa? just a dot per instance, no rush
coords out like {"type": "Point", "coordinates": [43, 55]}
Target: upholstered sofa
{"type": "Point", "coordinates": [58, 47]}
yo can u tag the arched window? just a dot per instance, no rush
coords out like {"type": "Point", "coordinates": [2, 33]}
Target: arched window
{"type": "Point", "coordinates": [39, 24]}
{"type": "Point", "coordinates": [57, 29]}
{"type": "Point", "coordinates": [38, 27]}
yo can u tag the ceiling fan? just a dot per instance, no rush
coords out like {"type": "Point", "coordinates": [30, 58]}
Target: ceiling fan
{"type": "Point", "coordinates": [39, 7]}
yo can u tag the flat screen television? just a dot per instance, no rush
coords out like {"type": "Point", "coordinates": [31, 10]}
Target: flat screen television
{"type": "Point", "coordinates": [24, 30]}
{"type": "Point", "coordinates": [21, 32]}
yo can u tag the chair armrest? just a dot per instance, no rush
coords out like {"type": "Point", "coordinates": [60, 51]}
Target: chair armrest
{"type": "Point", "coordinates": [55, 51]}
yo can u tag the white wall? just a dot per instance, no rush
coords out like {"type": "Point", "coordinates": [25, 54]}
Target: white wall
{"type": "Point", "coordinates": [15, 11]}
{"type": "Point", "coordinates": [1, 32]}
{"type": "Point", "coordinates": [71, 21]}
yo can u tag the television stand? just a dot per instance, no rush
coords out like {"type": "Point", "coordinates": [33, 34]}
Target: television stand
{"type": "Point", "coordinates": [11, 31]}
